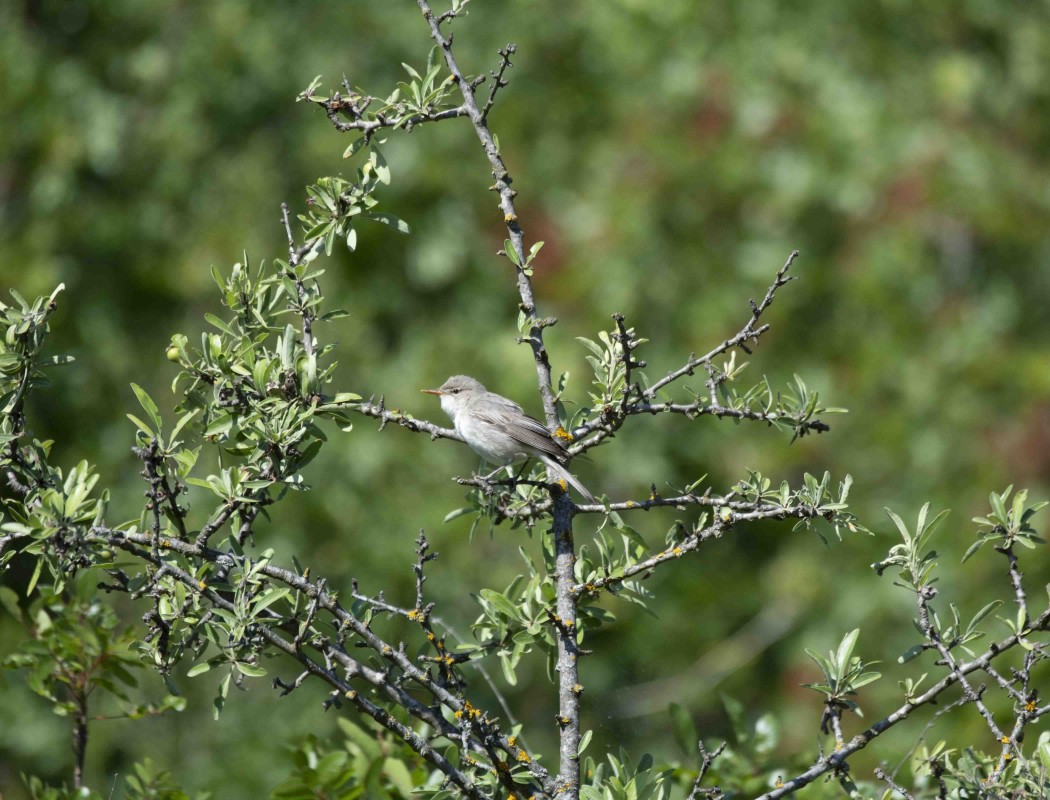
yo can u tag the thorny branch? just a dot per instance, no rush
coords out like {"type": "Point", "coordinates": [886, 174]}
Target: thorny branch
{"type": "Point", "coordinates": [377, 410]}
{"type": "Point", "coordinates": [609, 420]}
{"type": "Point", "coordinates": [834, 760]}
{"type": "Point", "coordinates": [693, 541]}
{"type": "Point", "coordinates": [880, 773]}
{"type": "Point", "coordinates": [569, 687]}
{"type": "Point", "coordinates": [343, 688]}
{"type": "Point", "coordinates": [707, 758]}
{"type": "Point", "coordinates": [347, 113]}
{"type": "Point", "coordinates": [497, 79]}
{"type": "Point", "coordinates": [305, 311]}
{"type": "Point", "coordinates": [327, 658]}
{"type": "Point", "coordinates": [478, 118]}
{"type": "Point", "coordinates": [487, 732]}
{"type": "Point", "coordinates": [749, 333]}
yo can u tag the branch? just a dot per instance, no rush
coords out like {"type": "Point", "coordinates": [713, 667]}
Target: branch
{"type": "Point", "coordinates": [497, 78]}
{"type": "Point", "coordinates": [831, 762]}
{"type": "Point", "coordinates": [700, 408]}
{"type": "Point", "coordinates": [141, 545]}
{"type": "Point", "coordinates": [748, 333]}
{"type": "Point", "coordinates": [610, 418]}
{"type": "Point", "coordinates": [923, 597]}
{"type": "Point", "coordinates": [344, 690]}
{"type": "Point", "coordinates": [882, 776]}
{"type": "Point", "coordinates": [378, 410]}
{"type": "Point", "coordinates": [714, 531]}
{"type": "Point", "coordinates": [510, 214]}
{"type": "Point", "coordinates": [354, 107]}
{"type": "Point", "coordinates": [568, 666]}
{"type": "Point", "coordinates": [707, 759]}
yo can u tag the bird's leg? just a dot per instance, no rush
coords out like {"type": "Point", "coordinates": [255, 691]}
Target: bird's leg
{"type": "Point", "coordinates": [513, 479]}
{"type": "Point", "coordinates": [510, 481]}
{"type": "Point", "coordinates": [488, 478]}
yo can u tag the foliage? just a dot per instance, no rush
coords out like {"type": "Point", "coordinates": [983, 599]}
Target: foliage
{"type": "Point", "coordinates": [258, 399]}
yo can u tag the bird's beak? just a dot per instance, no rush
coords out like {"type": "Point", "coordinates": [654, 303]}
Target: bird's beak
{"type": "Point", "coordinates": [431, 391]}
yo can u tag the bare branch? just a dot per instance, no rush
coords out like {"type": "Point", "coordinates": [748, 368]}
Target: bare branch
{"type": "Point", "coordinates": [748, 333]}
{"type": "Point", "coordinates": [510, 214]}
{"type": "Point", "coordinates": [378, 410]}
{"type": "Point", "coordinates": [497, 79]}
{"type": "Point", "coordinates": [882, 776]}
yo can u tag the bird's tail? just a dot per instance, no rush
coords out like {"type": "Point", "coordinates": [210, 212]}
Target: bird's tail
{"type": "Point", "coordinates": [559, 471]}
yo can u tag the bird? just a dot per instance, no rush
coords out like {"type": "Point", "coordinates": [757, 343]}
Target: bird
{"type": "Point", "coordinates": [498, 430]}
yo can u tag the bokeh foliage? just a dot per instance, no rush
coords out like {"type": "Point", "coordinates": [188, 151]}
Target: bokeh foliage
{"type": "Point", "coordinates": [670, 156]}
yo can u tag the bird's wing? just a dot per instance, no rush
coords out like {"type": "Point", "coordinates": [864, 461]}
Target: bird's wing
{"type": "Point", "coordinates": [522, 428]}
{"type": "Point", "coordinates": [504, 403]}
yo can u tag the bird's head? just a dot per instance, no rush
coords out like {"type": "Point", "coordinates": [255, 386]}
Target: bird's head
{"type": "Point", "coordinates": [456, 392]}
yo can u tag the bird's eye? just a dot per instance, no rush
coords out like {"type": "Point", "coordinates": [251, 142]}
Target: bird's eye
{"type": "Point", "coordinates": [455, 391]}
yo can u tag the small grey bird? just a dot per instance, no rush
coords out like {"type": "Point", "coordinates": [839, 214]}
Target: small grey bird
{"type": "Point", "coordinates": [499, 431]}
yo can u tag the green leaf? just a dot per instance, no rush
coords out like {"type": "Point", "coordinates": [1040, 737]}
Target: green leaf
{"type": "Point", "coordinates": [220, 698]}
{"type": "Point", "coordinates": [934, 523]}
{"type": "Point", "coordinates": [397, 773]}
{"type": "Point", "coordinates": [845, 650]}
{"type": "Point", "coordinates": [389, 219]}
{"type": "Point", "coordinates": [509, 675]}
{"type": "Point", "coordinates": [921, 524]}
{"type": "Point", "coordinates": [900, 525]}
{"type": "Point", "coordinates": [147, 404]}
{"type": "Point", "coordinates": [973, 548]}
{"type": "Point", "coordinates": [141, 425]}
{"type": "Point", "coordinates": [354, 148]}
{"type": "Point", "coordinates": [508, 248]}
{"type": "Point", "coordinates": [36, 576]}
{"type": "Point", "coordinates": [997, 504]}
{"type": "Point", "coordinates": [864, 679]}
{"type": "Point", "coordinates": [984, 612]}
{"type": "Point", "coordinates": [585, 740]}
{"type": "Point", "coordinates": [459, 512]}
{"type": "Point", "coordinates": [218, 323]}
{"type": "Point", "coordinates": [501, 603]}
{"type": "Point", "coordinates": [911, 653]}
{"type": "Point", "coordinates": [268, 599]}
{"type": "Point", "coordinates": [182, 423]}
{"type": "Point", "coordinates": [219, 426]}
{"type": "Point", "coordinates": [381, 168]}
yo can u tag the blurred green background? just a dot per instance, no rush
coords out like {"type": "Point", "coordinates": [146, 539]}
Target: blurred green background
{"type": "Point", "coordinates": [670, 154]}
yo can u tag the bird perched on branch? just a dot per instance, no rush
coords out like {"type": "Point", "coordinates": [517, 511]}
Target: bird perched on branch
{"type": "Point", "coordinates": [499, 431]}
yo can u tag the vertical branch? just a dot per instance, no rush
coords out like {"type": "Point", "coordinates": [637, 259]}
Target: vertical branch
{"type": "Point", "coordinates": [506, 204]}
{"type": "Point", "coordinates": [569, 687]}
{"type": "Point", "coordinates": [294, 258]}
{"type": "Point", "coordinates": [80, 737]}
{"type": "Point", "coordinates": [707, 759]}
